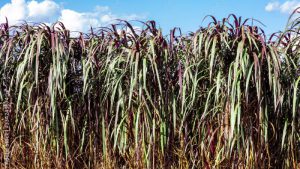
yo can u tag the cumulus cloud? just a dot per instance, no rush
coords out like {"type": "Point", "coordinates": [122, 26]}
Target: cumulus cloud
{"type": "Point", "coordinates": [48, 11]}
{"type": "Point", "coordinates": [14, 11]}
{"type": "Point", "coordinates": [74, 20]}
{"type": "Point", "coordinates": [45, 11]}
{"type": "Point", "coordinates": [286, 7]}
{"type": "Point", "coordinates": [289, 6]}
{"type": "Point", "coordinates": [82, 21]}
{"type": "Point", "coordinates": [271, 6]}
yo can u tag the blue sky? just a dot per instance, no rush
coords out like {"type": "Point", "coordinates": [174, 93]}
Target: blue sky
{"type": "Point", "coordinates": [188, 14]}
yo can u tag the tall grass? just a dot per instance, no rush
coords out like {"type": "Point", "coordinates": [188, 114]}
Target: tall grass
{"type": "Point", "coordinates": [225, 96]}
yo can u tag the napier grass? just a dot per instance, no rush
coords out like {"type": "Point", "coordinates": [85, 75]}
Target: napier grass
{"type": "Point", "coordinates": [225, 96]}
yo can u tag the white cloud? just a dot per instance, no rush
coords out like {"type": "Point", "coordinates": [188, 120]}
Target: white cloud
{"type": "Point", "coordinates": [289, 6]}
{"type": "Point", "coordinates": [107, 18]}
{"type": "Point", "coordinates": [286, 7]}
{"type": "Point", "coordinates": [48, 11]}
{"type": "Point", "coordinates": [45, 11]}
{"type": "Point", "coordinates": [14, 11]}
{"type": "Point", "coordinates": [68, 17]}
{"type": "Point", "coordinates": [271, 6]}
{"type": "Point", "coordinates": [83, 21]}
{"type": "Point", "coordinates": [78, 21]}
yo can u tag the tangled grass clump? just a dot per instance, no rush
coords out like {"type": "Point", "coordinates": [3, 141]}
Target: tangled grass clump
{"type": "Point", "coordinates": [225, 96]}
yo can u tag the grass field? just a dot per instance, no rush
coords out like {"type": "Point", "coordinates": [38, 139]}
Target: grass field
{"type": "Point", "coordinates": [225, 96]}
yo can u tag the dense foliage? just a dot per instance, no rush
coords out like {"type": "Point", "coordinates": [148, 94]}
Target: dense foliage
{"type": "Point", "coordinates": [224, 96]}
